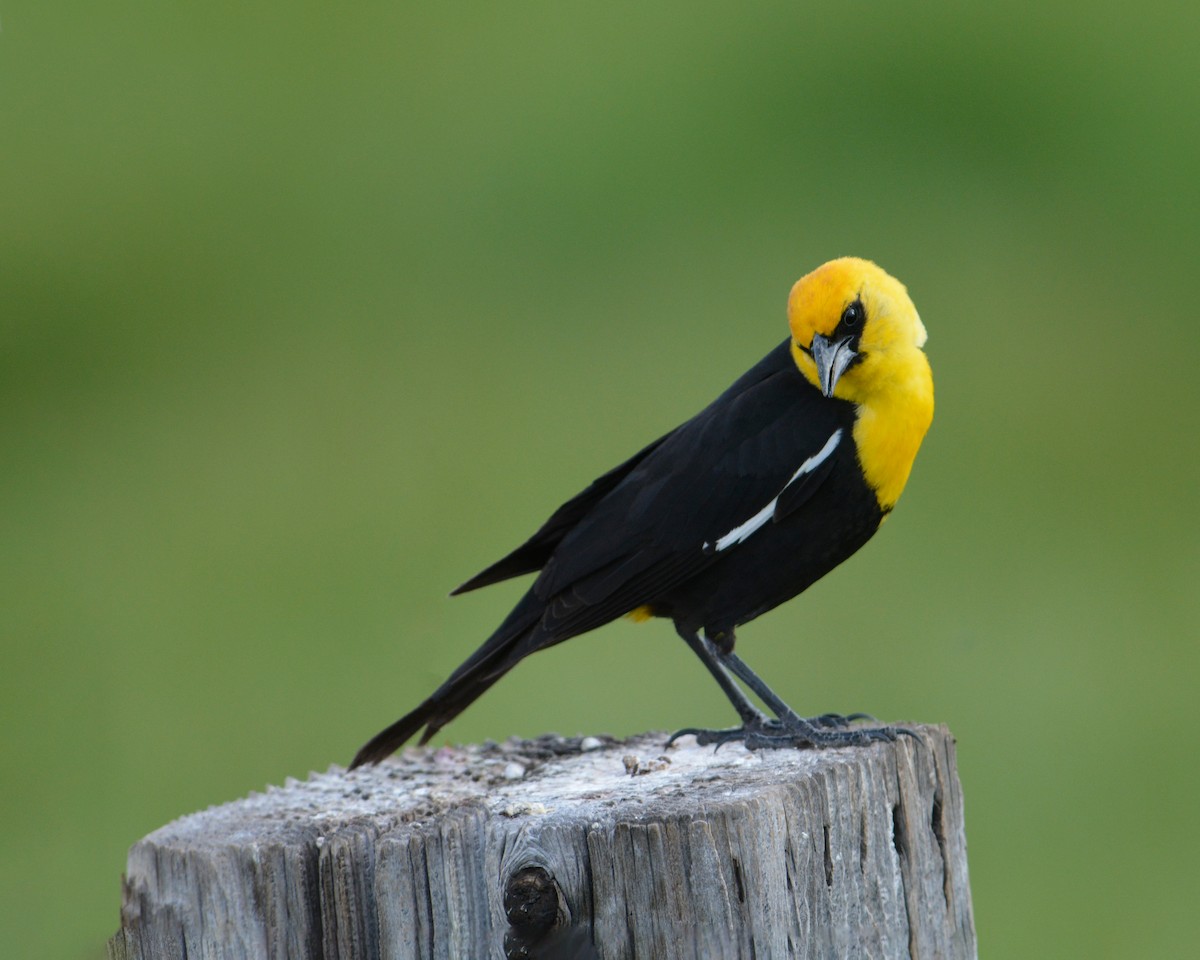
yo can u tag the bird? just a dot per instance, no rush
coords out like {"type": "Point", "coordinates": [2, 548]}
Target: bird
{"type": "Point", "coordinates": [778, 480]}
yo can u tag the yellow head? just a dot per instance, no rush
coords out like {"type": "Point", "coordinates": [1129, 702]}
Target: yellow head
{"type": "Point", "coordinates": [856, 336]}
{"type": "Point", "coordinates": [854, 328]}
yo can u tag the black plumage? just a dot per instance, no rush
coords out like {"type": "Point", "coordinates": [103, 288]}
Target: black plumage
{"type": "Point", "coordinates": [647, 536]}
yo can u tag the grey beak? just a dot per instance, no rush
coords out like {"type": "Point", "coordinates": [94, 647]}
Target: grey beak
{"type": "Point", "coordinates": [831, 359]}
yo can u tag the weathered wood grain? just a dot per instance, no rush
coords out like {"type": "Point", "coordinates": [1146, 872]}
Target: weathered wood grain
{"type": "Point", "coordinates": [546, 849]}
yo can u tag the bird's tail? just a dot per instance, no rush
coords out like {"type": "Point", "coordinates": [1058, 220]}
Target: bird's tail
{"type": "Point", "coordinates": [501, 652]}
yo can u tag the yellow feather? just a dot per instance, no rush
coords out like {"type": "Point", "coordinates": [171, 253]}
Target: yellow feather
{"type": "Point", "coordinates": [892, 386]}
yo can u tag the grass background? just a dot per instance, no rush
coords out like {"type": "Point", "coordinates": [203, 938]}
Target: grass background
{"type": "Point", "coordinates": [309, 312]}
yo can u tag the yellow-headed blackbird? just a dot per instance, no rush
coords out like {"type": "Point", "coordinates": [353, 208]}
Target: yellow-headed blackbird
{"type": "Point", "coordinates": [761, 493]}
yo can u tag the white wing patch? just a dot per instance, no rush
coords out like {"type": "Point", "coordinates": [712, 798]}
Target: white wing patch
{"type": "Point", "coordinates": [743, 530]}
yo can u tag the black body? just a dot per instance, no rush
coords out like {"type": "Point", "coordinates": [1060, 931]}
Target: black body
{"type": "Point", "coordinates": [645, 534]}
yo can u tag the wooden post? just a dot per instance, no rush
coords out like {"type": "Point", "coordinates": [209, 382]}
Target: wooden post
{"type": "Point", "coordinates": [558, 848]}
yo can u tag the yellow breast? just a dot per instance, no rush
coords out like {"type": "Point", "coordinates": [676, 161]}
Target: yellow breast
{"type": "Point", "coordinates": [892, 421]}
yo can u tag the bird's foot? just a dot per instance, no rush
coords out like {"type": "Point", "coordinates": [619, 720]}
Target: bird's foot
{"type": "Point", "coordinates": [823, 732]}
{"type": "Point", "coordinates": [820, 733]}
{"type": "Point", "coordinates": [838, 721]}
{"type": "Point", "coordinates": [718, 737]}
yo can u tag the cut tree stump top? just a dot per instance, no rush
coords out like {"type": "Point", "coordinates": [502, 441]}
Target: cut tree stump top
{"type": "Point", "coordinates": [580, 847]}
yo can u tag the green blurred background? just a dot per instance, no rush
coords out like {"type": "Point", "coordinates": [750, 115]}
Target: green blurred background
{"type": "Point", "coordinates": [311, 312]}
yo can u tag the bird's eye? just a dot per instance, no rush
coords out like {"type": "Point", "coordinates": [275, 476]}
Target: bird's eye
{"type": "Point", "coordinates": [852, 316]}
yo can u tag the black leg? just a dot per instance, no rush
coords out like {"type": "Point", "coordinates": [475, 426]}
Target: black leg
{"type": "Point", "coordinates": [711, 659]}
{"type": "Point", "coordinates": [752, 718]}
{"type": "Point", "coordinates": [789, 729]}
{"type": "Point", "coordinates": [737, 666]}
{"type": "Point", "coordinates": [740, 669]}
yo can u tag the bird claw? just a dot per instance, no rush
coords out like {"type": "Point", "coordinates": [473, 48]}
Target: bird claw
{"type": "Point", "coordinates": [827, 731]}
{"type": "Point", "coordinates": [839, 721]}
{"type": "Point", "coordinates": [705, 737]}
{"type": "Point", "coordinates": [685, 732]}
{"type": "Point", "coordinates": [821, 738]}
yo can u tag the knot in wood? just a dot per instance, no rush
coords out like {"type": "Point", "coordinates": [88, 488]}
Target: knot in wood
{"type": "Point", "coordinates": [531, 900]}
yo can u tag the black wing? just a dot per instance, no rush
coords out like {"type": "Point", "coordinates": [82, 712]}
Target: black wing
{"type": "Point", "coordinates": [653, 522]}
{"type": "Point", "coordinates": [534, 552]}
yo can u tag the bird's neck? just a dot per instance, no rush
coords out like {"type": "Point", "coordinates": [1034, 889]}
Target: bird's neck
{"type": "Point", "coordinates": [892, 422]}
